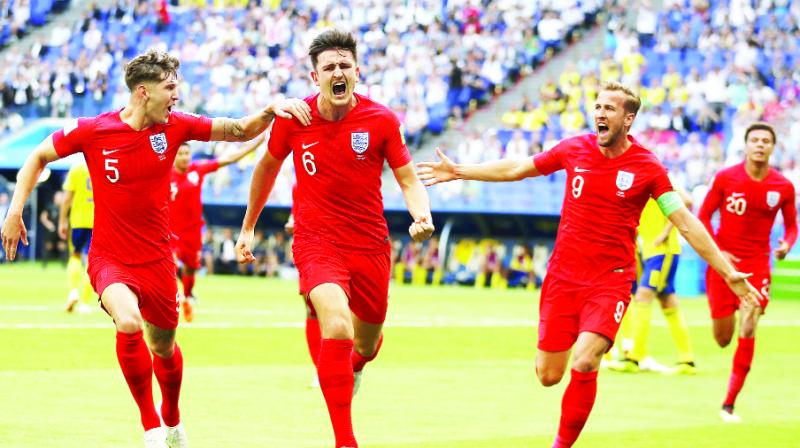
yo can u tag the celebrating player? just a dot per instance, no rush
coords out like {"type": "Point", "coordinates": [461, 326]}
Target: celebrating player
{"type": "Point", "coordinates": [130, 153]}
{"type": "Point", "coordinates": [76, 217]}
{"type": "Point", "coordinates": [341, 240]}
{"type": "Point", "coordinates": [610, 177]}
{"type": "Point", "coordinates": [752, 194]}
{"type": "Point", "coordinates": [186, 211]}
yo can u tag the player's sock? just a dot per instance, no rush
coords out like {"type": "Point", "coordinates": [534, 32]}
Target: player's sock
{"type": "Point", "coordinates": [86, 287]}
{"type": "Point", "coordinates": [575, 407]}
{"type": "Point", "coordinates": [741, 366]}
{"type": "Point", "coordinates": [74, 272]}
{"type": "Point", "coordinates": [336, 381]}
{"type": "Point", "coordinates": [137, 367]}
{"type": "Point", "coordinates": [360, 361]}
{"type": "Point", "coordinates": [313, 338]}
{"type": "Point", "coordinates": [680, 334]}
{"type": "Point", "coordinates": [169, 373]}
{"type": "Point", "coordinates": [641, 313]}
{"type": "Point", "coordinates": [188, 284]}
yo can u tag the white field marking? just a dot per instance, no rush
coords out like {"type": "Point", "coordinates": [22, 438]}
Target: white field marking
{"type": "Point", "coordinates": [419, 323]}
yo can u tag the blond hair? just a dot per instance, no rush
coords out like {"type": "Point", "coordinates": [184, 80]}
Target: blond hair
{"type": "Point", "coordinates": [632, 102]}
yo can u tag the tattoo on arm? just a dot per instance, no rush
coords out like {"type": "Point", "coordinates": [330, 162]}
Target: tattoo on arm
{"type": "Point", "coordinates": [234, 128]}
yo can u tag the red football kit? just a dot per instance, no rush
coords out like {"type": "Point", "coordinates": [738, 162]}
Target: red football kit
{"type": "Point", "coordinates": [186, 211]}
{"type": "Point", "coordinates": [340, 232]}
{"type": "Point", "coordinates": [130, 172]}
{"type": "Point", "coordinates": [589, 276]}
{"type": "Point", "coordinates": [747, 209]}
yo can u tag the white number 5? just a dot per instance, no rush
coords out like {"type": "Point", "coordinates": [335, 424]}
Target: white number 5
{"type": "Point", "coordinates": [113, 177]}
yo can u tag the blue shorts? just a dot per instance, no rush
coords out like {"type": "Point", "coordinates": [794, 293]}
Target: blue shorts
{"type": "Point", "coordinates": [81, 240]}
{"type": "Point", "coordinates": [659, 273]}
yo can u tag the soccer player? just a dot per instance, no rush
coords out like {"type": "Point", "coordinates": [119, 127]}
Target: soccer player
{"type": "Point", "coordinates": [76, 217]}
{"type": "Point", "coordinates": [186, 212]}
{"type": "Point", "coordinates": [130, 153]}
{"type": "Point", "coordinates": [341, 240]}
{"type": "Point", "coordinates": [610, 177]}
{"type": "Point", "coordinates": [748, 196]}
{"type": "Point", "coordinates": [660, 251]}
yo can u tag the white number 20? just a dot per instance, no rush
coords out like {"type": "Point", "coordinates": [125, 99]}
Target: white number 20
{"type": "Point", "coordinates": [308, 163]}
{"type": "Point", "coordinates": [736, 205]}
{"type": "Point", "coordinates": [113, 177]}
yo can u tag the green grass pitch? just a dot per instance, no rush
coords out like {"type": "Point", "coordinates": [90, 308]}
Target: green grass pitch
{"type": "Point", "coordinates": [456, 371]}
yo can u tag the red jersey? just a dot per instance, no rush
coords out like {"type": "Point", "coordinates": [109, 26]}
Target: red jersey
{"type": "Point", "coordinates": [130, 172]}
{"type": "Point", "coordinates": [338, 167]}
{"type": "Point", "coordinates": [749, 210]}
{"type": "Point", "coordinates": [603, 201]}
{"type": "Point", "coordinates": [186, 206]}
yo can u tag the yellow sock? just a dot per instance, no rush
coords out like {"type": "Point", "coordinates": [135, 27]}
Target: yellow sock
{"type": "Point", "coordinates": [680, 334]}
{"type": "Point", "coordinates": [625, 333]}
{"type": "Point", "coordinates": [74, 271]}
{"type": "Point", "coordinates": [480, 280]}
{"type": "Point", "coordinates": [437, 277]}
{"type": "Point", "coordinates": [399, 273]}
{"type": "Point", "coordinates": [418, 275]}
{"type": "Point", "coordinates": [641, 312]}
{"type": "Point", "coordinates": [87, 292]}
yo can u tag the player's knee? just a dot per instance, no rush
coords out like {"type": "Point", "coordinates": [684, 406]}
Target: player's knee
{"type": "Point", "coordinates": [129, 324]}
{"type": "Point", "coordinates": [366, 348]}
{"type": "Point", "coordinates": [337, 328]}
{"type": "Point", "coordinates": [723, 340]}
{"type": "Point", "coordinates": [162, 349]}
{"type": "Point", "coordinates": [549, 377]}
{"type": "Point", "coordinates": [585, 364]}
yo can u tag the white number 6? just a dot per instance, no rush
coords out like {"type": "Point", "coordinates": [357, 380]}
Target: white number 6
{"type": "Point", "coordinates": [308, 163]}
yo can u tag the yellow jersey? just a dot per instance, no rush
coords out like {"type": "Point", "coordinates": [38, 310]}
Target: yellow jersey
{"type": "Point", "coordinates": [651, 224]}
{"type": "Point", "coordinates": [81, 213]}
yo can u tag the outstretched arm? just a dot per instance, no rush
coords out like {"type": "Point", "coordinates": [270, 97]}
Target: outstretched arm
{"type": "Point", "coordinates": [696, 235]}
{"type": "Point", "coordinates": [417, 201]}
{"type": "Point", "coordinates": [260, 187]}
{"type": "Point", "coordinates": [247, 148]}
{"type": "Point", "coordinates": [789, 212]}
{"type": "Point", "coordinates": [503, 170]}
{"type": "Point", "coordinates": [246, 128]}
{"type": "Point", "coordinates": [13, 227]}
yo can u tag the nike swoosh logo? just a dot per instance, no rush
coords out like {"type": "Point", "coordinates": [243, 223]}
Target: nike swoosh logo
{"type": "Point", "coordinates": [581, 170]}
{"type": "Point", "coordinates": [309, 145]}
{"type": "Point", "coordinates": [737, 195]}
{"type": "Point", "coordinates": [109, 151]}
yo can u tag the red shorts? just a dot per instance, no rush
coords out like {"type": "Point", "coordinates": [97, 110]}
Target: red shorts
{"type": "Point", "coordinates": [153, 283]}
{"type": "Point", "coordinates": [723, 302]}
{"type": "Point", "coordinates": [187, 249]}
{"type": "Point", "coordinates": [363, 277]}
{"type": "Point", "coordinates": [567, 309]}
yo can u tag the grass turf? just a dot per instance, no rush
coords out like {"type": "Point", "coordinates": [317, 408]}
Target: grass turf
{"type": "Point", "coordinates": [456, 371]}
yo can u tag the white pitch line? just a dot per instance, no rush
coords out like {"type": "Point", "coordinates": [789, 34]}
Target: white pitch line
{"type": "Point", "coordinates": [437, 323]}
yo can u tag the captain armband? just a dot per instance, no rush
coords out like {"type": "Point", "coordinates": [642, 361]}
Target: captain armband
{"type": "Point", "coordinates": [669, 202]}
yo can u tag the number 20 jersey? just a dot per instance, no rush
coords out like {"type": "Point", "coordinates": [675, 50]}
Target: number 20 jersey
{"type": "Point", "coordinates": [603, 201]}
{"type": "Point", "coordinates": [130, 173]}
{"type": "Point", "coordinates": [747, 210]}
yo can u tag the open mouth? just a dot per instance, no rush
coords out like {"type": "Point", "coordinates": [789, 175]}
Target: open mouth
{"type": "Point", "coordinates": [602, 128]}
{"type": "Point", "coordinates": [339, 88]}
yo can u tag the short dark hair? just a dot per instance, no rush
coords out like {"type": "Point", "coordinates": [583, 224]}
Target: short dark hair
{"type": "Point", "coordinates": [333, 39]}
{"type": "Point", "coordinates": [632, 102]}
{"type": "Point", "coordinates": [760, 126]}
{"type": "Point", "coordinates": [151, 66]}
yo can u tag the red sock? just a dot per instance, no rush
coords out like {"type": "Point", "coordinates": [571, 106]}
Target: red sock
{"type": "Point", "coordinates": [575, 407]}
{"type": "Point", "coordinates": [336, 380]}
{"type": "Point", "coordinates": [188, 283]}
{"type": "Point", "coordinates": [360, 361]}
{"type": "Point", "coordinates": [741, 366]}
{"type": "Point", "coordinates": [137, 367]}
{"type": "Point", "coordinates": [169, 373]}
{"type": "Point", "coordinates": [313, 338]}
